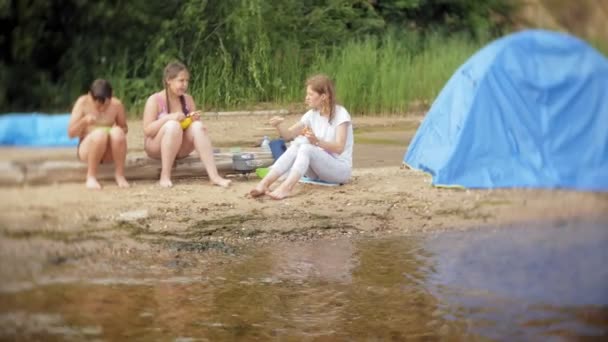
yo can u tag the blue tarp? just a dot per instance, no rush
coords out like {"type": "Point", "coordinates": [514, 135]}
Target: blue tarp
{"type": "Point", "coordinates": [35, 129]}
{"type": "Point", "coordinates": [528, 110]}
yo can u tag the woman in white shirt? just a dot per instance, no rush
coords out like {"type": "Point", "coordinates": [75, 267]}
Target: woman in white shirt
{"type": "Point", "coordinates": [325, 149]}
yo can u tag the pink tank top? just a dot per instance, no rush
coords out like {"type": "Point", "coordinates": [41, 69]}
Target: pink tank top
{"type": "Point", "coordinates": [162, 105]}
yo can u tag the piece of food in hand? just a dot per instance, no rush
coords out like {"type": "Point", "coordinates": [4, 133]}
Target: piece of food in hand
{"type": "Point", "coordinates": [186, 122]}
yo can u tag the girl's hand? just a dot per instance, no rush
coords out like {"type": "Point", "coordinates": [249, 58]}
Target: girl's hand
{"type": "Point", "coordinates": [196, 115]}
{"type": "Point", "coordinates": [276, 121]}
{"type": "Point", "coordinates": [178, 116]}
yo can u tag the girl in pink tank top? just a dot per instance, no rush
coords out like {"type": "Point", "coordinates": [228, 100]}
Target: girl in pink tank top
{"type": "Point", "coordinates": [172, 134]}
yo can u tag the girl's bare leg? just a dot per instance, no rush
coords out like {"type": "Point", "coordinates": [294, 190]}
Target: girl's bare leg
{"type": "Point", "coordinates": [203, 146]}
{"type": "Point", "coordinates": [164, 146]}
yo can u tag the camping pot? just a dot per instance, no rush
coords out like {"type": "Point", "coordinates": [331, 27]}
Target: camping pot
{"type": "Point", "coordinates": [244, 162]}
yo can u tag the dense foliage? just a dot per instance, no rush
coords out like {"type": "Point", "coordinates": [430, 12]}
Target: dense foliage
{"type": "Point", "coordinates": [239, 51]}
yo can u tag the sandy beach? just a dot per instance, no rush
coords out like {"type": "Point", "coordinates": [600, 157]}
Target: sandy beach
{"type": "Point", "coordinates": [45, 225]}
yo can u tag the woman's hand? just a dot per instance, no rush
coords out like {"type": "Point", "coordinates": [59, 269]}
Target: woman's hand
{"type": "Point", "coordinates": [306, 130]}
{"type": "Point", "coordinates": [275, 121]}
{"type": "Point", "coordinates": [308, 133]}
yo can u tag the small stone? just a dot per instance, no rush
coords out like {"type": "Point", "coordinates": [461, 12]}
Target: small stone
{"type": "Point", "coordinates": [133, 215]}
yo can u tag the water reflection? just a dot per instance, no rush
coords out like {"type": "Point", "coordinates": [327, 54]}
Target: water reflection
{"type": "Point", "coordinates": [516, 283]}
{"type": "Point", "coordinates": [525, 281]}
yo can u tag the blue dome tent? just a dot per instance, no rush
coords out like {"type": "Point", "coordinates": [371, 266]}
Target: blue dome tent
{"type": "Point", "coordinates": [528, 110]}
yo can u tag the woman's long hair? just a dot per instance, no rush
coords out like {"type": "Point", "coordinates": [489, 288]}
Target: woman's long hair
{"type": "Point", "coordinates": [322, 84]}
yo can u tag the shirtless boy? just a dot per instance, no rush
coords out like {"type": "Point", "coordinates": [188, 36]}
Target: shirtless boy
{"type": "Point", "coordinates": [99, 120]}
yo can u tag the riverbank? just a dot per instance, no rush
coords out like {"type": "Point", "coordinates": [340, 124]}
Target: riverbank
{"type": "Point", "coordinates": [44, 226]}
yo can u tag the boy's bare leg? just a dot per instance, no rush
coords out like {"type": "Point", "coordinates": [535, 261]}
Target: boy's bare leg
{"type": "Point", "coordinates": [202, 143]}
{"type": "Point", "coordinates": [118, 146]}
{"type": "Point", "coordinates": [91, 150]}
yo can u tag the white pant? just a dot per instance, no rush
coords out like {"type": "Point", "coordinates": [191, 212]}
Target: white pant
{"type": "Point", "coordinates": [314, 162]}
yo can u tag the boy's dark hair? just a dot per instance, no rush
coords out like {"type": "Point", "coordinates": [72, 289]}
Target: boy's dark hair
{"type": "Point", "coordinates": [101, 90]}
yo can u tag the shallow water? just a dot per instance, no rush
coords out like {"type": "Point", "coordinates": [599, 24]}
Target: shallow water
{"type": "Point", "coordinates": [539, 282]}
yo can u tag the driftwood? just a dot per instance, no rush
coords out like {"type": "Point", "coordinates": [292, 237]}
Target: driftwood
{"type": "Point", "coordinates": [11, 173]}
{"type": "Point", "coordinates": [136, 167]}
{"type": "Point", "coordinates": [247, 113]}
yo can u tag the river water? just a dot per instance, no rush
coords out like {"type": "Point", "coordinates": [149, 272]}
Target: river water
{"type": "Point", "coordinates": [531, 282]}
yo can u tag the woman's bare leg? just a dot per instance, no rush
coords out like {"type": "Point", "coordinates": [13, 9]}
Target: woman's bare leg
{"type": "Point", "coordinates": [264, 185]}
{"type": "Point", "coordinates": [280, 167]}
{"type": "Point", "coordinates": [314, 160]}
{"type": "Point", "coordinates": [285, 188]}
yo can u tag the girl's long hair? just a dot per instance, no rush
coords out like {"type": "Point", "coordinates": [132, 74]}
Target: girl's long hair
{"type": "Point", "coordinates": [171, 71]}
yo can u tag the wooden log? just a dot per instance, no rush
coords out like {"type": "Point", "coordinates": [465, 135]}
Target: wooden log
{"type": "Point", "coordinates": [137, 167]}
{"type": "Point", "coordinates": [11, 173]}
{"type": "Point", "coordinates": [247, 113]}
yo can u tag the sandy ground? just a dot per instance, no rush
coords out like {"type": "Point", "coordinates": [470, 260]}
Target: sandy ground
{"type": "Point", "coordinates": [45, 226]}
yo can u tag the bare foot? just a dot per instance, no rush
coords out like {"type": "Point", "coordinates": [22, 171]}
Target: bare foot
{"type": "Point", "coordinates": [121, 181]}
{"type": "Point", "coordinates": [223, 182]}
{"type": "Point", "coordinates": [278, 194]}
{"type": "Point", "coordinates": [92, 183]}
{"type": "Point", "coordinates": [165, 182]}
{"type": "Point", "coordinates": [258, 191]}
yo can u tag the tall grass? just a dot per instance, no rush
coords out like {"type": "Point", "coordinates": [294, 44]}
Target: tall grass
{"type": "Point", "coordinates": [387, 76]}
{"type": "Point", "coordinates": [127, 86]}
{"type": "Point", "coordinates": [373, 76]}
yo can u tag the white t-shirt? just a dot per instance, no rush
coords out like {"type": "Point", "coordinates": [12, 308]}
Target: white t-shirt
{"type": "Point", "coordinates": [327, 131]}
